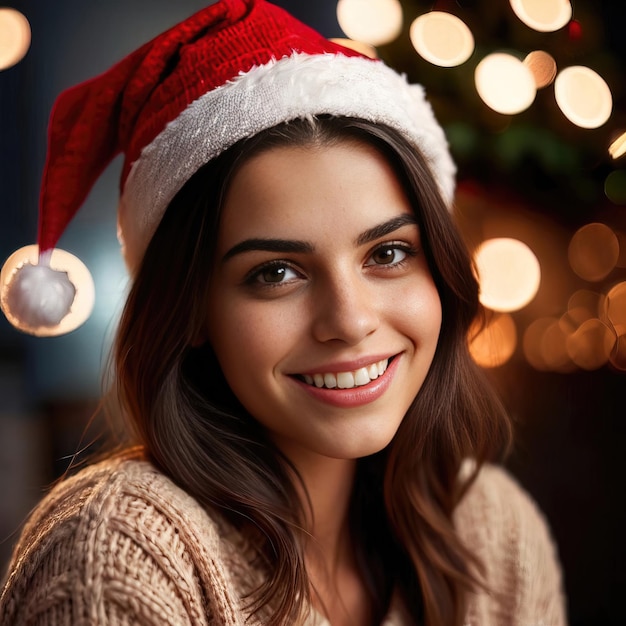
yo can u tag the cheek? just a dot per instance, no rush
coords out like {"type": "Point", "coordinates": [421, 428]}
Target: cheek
{"type": "Point", "coordinates": [418, 310]}
{"type": "Point", "coordinates": [249, 339]}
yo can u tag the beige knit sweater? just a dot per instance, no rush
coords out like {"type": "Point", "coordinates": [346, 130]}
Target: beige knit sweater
{"type": "Point", "coordinates": [120, 544]}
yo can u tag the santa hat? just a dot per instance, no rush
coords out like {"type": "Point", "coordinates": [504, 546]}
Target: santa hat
{"type": "Point", "coordinates": [229, 71]}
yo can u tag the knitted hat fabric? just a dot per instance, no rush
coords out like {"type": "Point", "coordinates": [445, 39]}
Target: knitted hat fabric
{"type": "Point", "coordinates": [231, 70]}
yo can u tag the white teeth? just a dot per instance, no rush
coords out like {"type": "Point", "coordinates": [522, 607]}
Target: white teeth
{"type": "Point", "coordinates": [345, 380]}
{"type": "Point", "coordinates": [361, 377]}
{"type": "Point", "coordinates": [330, 380]}
{"type": "Point", "coordinates": [348, 380]}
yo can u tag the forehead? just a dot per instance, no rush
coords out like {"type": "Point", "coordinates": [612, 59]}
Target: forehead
{"type": "Point", "coordinates": [312, 190]}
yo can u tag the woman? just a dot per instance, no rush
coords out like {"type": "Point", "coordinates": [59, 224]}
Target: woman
{"type": "Point", "coordinates": [310, 432]}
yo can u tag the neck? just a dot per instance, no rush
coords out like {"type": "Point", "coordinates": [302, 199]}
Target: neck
{"type": "Point", "coordinates": [337, 585]}
{"type": "Point", "coordinates": [328, 483]}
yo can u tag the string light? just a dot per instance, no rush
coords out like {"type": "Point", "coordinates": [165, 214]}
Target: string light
{"type": "Point", "coordinates": [508, 272]}
{"type": "Point", "coordinates": [442, 38]}
{"type": "Point", "coordinates": [14, 37]}
{"type": "Point", "coordinates": [504, 83]}
{"type": "Point", "coordinates": [542, 66]}
{"type": "Point", "coordinates": [495, 344]}
{"type": "Point", "coordinates": [590, 345]}
{"type": "Point", "coordinates": [359, 46]}
{"type": "Point", "coordinates": [583, 96]}
{"type": "Point", "coordinates": [593, 251]}
{"type": "Point", "coordinates": [618, 147]}
{"type": "Point", "coordinates": [375, 22]}
{"type": "Point", "coordinates": [543, 15]}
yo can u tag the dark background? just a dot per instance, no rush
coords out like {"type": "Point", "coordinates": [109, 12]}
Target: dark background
{"type": "Point", "coordinates": [570, 424]}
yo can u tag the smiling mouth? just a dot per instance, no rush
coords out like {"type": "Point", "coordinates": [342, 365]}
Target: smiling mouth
{"type": "Point", "coordinates": [347, 380]}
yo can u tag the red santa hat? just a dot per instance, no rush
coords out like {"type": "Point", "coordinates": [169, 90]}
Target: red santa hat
{"type": "Point", "coordinates": [231, 70]}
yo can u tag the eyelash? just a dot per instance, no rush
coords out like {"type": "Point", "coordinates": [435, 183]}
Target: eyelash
{"type": "Point", "coordinates": [409, 250]}
{"type": "Point", "coordinates": [252, 279]}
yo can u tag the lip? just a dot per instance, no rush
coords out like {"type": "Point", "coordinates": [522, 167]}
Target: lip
{"type": "Point", "coordinates": [347, 366]}
{"type": "Point", "coordinates": [357, 396]}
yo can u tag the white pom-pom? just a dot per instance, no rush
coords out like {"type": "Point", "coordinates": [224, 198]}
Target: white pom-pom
{"type": "Point", "coordinates": [46, 296]}
{"type": "Point", "coordinates": [39, 295]}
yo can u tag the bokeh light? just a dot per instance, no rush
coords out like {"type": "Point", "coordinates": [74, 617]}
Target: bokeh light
{"type": "Point", "coordinates": [542, 66]}
{"type": "Point", "coordinates": [583, 96]}
{"type": "Point", "coordinates": [531, 342]}
{"type": "Point", "coordinates": [591, 344]}
{"type": "Point", "coordinates": [618, 146]}
{"type": "Point", "coordinates": [618, 355]}
{"type": "Point", "coordinates": [543, 15]}
{"type": "Point", "coordinates": [545, 346]}
{"type": "Point", "coordinates": [14, 37]}
{"type": "Point", "coordinates": [615, 305]}
{"type": "Point", "coordinates": [78, 275]}
{"type": "Point", "coordinates": [360, 46]}
{"type": "Point", "coordinates": [508, 272]}
{"type": "Point", "coordinates": [554, 349]}
{"type": "Point", "coordinates": [442, 38]}
{"type": "Point", "coordinates": [494, 344]}
{"type": "Point", "coordinates": [583, 305]}
{"type": "Point", "coordinates": [615, 187]}
{"type": "Point", "coordinates": [505, 83]}
{"type": "Point", "coordinates": [376, 22]}
{"type": "Point", "coordinates": [593, 251]}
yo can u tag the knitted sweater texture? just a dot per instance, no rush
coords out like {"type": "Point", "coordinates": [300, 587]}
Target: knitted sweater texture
{"type": "Point", "coordinates": [119, 544]}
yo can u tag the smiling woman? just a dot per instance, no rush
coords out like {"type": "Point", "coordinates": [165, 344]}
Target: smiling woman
{"type": "Point", "coordinates": [331, 306]}
{"type": "Point", "coordinates": [309, 441]}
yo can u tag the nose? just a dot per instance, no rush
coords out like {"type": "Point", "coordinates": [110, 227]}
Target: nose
{"type": "Point", "coordinates": [346, 310]}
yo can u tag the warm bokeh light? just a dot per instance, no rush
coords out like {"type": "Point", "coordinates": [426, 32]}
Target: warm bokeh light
{"type": "Point", "coordinates": [508, 272]}
{"type": "Point", "coordinates": [531, 343]}
{"type": "Point", "coordinates": [615, 187]}
{"type": "Point", "coordinates": [78, 275]}
{"type": "Point", "coordinates": [442, 38]}
{"type": "Point", "coordinates": [591, 344]}
{"type": "Point", "coordinates": [618, 146]}
{"type": "Point", "coordinates": [495, 344]}
{"type": "Point", "coordinates": [14, 37]}
{"type": "Point", "coordinates": [615, 305]}
{"type": "Point", "coordinates": [360, 46]}
{"type": "Point", "coordinates": [376, 22]}
{"type": "Point", "coordinates": [584, 305]}
{"type": "Point", "coordinates": [543, 15]}
{"type": "Point", "coordinates": [593, 251]}
{"type": "Point", "coordinates": [542, 66]}
{"type": "Point", "coordinates": [583, 96]}
{"type": "Point", "coordinates": [618, 354]}
{"type": "Point", "coordinates": [545, 346]}
{"type": "Point", "coordinates": [504, 83]}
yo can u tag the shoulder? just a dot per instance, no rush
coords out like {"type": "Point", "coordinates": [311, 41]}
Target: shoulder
{"type": "Point", "coordinates": [495, 495]}
{"type": "Point", "coordinates": [503, 526]}
{"type": "Point", "coordinates": [118, 539]}
{"type": "Point", "coordinates": [127, 495]}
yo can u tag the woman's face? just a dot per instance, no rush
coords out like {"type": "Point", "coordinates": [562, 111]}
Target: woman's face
{"type": "Point", "coordinates": [323, 313]}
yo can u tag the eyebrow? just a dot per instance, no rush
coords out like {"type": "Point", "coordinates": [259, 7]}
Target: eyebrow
{"type": "Point", "coordinates": [298, 246]}
{"type": "Point", "coordinates": [386, 228]}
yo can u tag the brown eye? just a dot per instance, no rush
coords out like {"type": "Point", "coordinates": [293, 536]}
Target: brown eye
{"type": "Point", "coordinates": [274, 273]}
{"type": "Point", "coordinates": [387, 255]}
{"type": "Point", "coordinates": [384, 256]}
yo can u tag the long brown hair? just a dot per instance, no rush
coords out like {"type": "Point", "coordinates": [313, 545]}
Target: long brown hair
{"type": "Point", "coordinates": [193, 427]}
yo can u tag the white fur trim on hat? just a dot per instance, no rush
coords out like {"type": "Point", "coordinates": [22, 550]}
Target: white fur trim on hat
{"type": "Point", "coordinates": [293, 87]}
